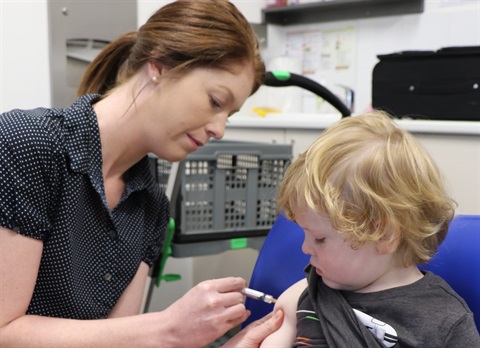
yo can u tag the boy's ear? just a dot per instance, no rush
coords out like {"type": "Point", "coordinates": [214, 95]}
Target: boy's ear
{"type": "Point", "coordinates": [386, 247]}
{"type": "Point", "coordinates": [390, 240]}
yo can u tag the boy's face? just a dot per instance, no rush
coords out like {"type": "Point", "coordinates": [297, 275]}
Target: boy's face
{"type": "Point", "coordinates": [341, 267]}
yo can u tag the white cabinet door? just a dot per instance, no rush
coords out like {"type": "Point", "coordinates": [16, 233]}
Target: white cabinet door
{"type": "Point", "coordinates": [301, 139]}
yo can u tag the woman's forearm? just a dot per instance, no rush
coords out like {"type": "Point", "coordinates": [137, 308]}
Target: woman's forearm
{"type": "Point", "coordinates": [37, 331]}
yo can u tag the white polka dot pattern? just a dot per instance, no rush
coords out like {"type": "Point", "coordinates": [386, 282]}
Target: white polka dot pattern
{"type": "Point", "coordinates": [52, 189]}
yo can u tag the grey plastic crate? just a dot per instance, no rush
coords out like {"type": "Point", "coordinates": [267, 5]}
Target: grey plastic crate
{"type": "Point", "coordinates": [226, 190]}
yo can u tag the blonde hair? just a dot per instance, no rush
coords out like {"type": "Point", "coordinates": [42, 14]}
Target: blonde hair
{"type": "Point", "coordinates": [375, 183]}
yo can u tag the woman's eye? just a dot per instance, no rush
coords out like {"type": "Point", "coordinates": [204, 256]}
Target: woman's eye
{"type": "Point", "coordinates": [319, 240]}
{"type": "Point", "coordinates": [215, 102]}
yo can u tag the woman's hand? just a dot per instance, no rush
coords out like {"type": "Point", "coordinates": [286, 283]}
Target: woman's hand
{"type": "Point", "coordinates": [253, 335]}
{"type": "Point", "coordinates": [206, 312]}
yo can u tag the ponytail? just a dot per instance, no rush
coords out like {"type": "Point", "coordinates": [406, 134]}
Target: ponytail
{"type": "Point", "coordinates": [102, 74]}
{"type": "Point", "coordinates": [180, 36]}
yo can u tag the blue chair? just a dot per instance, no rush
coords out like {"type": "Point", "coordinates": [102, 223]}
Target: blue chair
{"type": "Point", "coordinates": [281, 262]}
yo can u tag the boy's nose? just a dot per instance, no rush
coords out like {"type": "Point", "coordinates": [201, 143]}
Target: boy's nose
{"type": "Point", "coordinates": [306, 246]}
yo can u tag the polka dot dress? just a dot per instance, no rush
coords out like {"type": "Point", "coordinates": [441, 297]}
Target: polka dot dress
{"type": "Point", "coordinates": [52, 189]}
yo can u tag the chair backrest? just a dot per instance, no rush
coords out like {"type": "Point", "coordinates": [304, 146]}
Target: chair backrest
{"type": "Point", "coordinates": [281, 262]}
{"type": "Point", "coordinates": [458, 261]}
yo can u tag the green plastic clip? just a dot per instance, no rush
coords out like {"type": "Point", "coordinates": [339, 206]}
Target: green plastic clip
{"type": "Point", "coordinates": [238, 243]}
{"type": "Point", "coordinates": [281, 75]}
{"type": "Point", "coordinates": [166, 252]}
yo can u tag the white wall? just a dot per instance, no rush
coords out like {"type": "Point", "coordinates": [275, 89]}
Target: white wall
{"type": "Point", "coordinates": [251, 9]}
{"type": "Point", "coordinates": [24, 57]}
{"type": "Point", "coordinates": [147, 7]}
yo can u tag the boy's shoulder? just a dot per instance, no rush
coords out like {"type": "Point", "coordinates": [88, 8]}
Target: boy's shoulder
{"type": "Point", "coordinates": [442, 293]}
{"type": "Point", "coordinates": [428, 293]}
{"type": "Point", "coordinates": [432, 288]}
{"type": "Point", "coordinates": [428, 310]}
{"type": "Point", "coordinates": [429, 303]}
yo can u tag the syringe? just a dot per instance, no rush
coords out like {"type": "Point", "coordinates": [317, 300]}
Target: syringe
{"type": "Point", "coordinates": [258, 295]}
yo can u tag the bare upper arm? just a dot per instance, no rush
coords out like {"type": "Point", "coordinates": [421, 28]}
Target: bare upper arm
{"type": "Point", "coordinates": [285, 336]}
{"type": "Point", "coordinates": [131, 299]}
{"type": "Point", "coordinates": [19, 262]}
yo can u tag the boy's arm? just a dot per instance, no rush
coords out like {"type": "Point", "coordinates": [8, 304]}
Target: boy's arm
{"type": "Point", "coordinates": [464, 334]}
{"type": "Point", "coordinates": [288, 300]}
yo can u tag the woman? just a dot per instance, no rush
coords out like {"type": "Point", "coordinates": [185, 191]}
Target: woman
{"type": "Point", "coordinates": [81, 218]}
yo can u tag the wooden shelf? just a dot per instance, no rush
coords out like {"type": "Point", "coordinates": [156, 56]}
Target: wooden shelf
{"type": "Point", "coordinates": [326, 11]}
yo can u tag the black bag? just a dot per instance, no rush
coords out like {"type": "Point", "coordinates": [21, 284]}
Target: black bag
{"type": "Point", "coordinates": [436, 85]}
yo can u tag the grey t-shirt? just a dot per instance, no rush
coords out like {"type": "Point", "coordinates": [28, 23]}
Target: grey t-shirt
{"type": "Point", "coordinates": [427, 313]}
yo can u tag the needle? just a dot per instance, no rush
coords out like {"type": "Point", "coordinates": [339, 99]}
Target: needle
{"type": "Point", "coordinates": [258, 295]}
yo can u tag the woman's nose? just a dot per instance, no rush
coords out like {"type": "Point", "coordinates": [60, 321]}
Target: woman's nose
{"type": "Point", "coordinates": [216, 128]}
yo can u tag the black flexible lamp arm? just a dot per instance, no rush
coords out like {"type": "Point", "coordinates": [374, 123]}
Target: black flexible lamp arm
{"type": "Point", "coordinates": [284, 78]}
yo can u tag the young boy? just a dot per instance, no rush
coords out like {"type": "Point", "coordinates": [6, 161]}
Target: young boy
{"type": "Point", "coordinates": [372, 205]}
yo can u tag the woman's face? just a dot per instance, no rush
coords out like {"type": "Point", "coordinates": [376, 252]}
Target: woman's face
{"type": "Point", "coordinates": [340, 266]}
{"type": "Point", "coordinates": [184, 113]}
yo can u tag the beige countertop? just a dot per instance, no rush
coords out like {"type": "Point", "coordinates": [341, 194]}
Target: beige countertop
{"type": "Point", "coordinates": [322, 121]}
